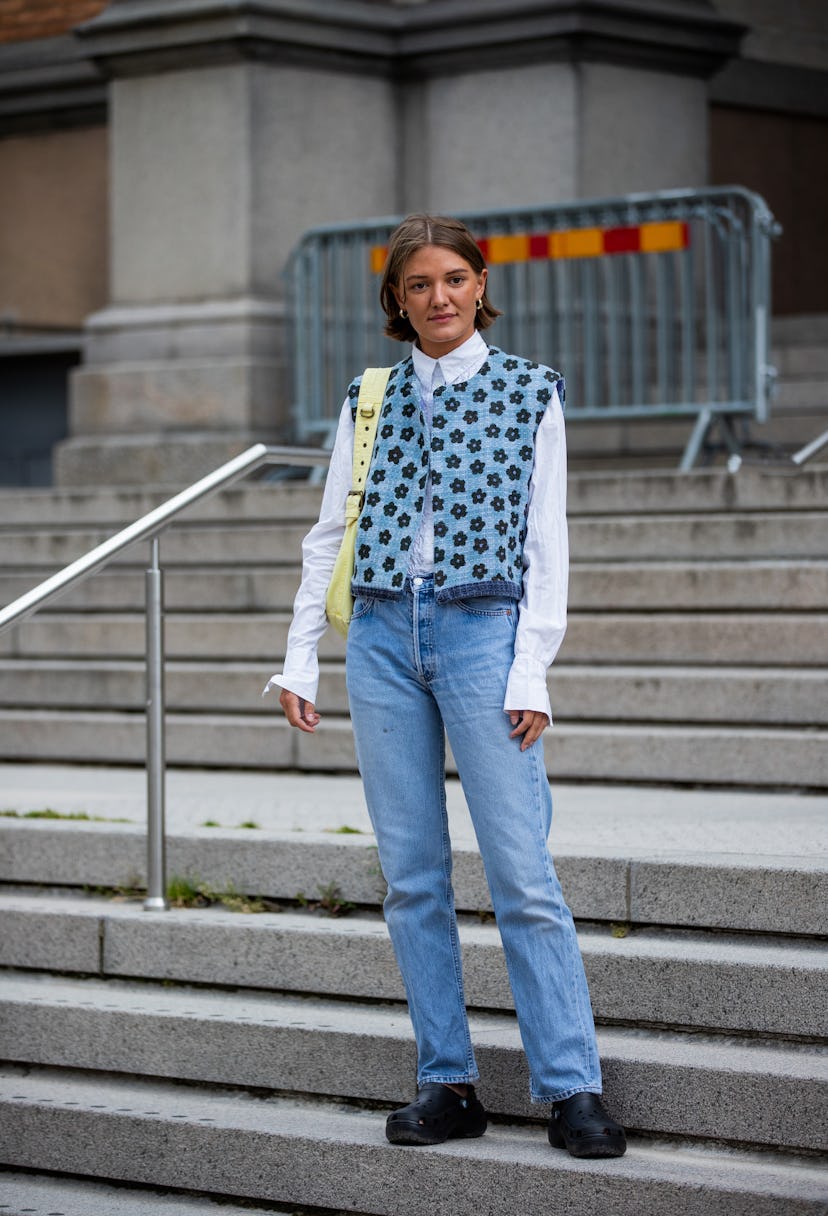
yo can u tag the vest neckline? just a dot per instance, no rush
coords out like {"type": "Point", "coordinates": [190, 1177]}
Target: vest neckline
{"type": "Point", "coordinates": [461, 385]}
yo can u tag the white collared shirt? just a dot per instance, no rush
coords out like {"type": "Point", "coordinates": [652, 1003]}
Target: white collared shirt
{"type": "Point", "coordinates": [542, 612]}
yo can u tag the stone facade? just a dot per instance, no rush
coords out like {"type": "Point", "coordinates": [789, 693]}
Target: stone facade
{"type": "Point", "coordinates": [233, 128]}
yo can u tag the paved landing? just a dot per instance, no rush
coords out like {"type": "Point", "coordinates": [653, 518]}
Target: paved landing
{"type": "Point", "coordinates": [601, 818]}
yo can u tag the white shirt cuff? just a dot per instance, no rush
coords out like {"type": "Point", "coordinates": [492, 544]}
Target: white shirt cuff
{"type": "Point", "coordinates": [526, 686]}
{"type": "Point", "coordinates": [305, 683]}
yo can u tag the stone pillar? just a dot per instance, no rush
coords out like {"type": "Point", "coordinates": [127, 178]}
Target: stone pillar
{"type": "Point", "coordinates": [217, 170]}
{"type": "Point", "coordinates": [548, 103]}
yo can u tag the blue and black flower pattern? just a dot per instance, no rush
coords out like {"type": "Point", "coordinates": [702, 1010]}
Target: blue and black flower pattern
{"type": "Point", "coordinates": [482, 443]}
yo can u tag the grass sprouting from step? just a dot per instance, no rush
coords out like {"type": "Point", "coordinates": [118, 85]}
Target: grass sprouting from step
{"type": "Point", "coordinates": [330, 901]}
{"type": "Point", "coordinates": [191, 891]}
{"type": "Point", "coordinates": [71, 816]}
{"type": "Point", "coordinates": [251, 825]}
{"type": "Point", "coordinates": [248, 825]}
{"type": "Point", "coordinates": [188, 891]}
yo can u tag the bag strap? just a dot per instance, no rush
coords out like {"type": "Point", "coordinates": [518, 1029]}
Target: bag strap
{"type": "Point", "coordinates": [369, 405]}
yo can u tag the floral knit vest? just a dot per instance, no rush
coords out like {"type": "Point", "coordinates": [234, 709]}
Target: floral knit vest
{"type": "Point", "coordinates": [480, 455]}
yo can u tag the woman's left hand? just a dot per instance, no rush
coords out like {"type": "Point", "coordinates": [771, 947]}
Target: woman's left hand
{"type": "Point", "coordinates": [528, 723]}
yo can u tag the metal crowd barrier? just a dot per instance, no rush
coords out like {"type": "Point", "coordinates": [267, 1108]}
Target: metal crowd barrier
{"type": "Point", "coordinates": [652, 305]}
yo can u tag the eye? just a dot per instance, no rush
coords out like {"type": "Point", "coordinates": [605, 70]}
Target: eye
{"type": "Point", "coordinates": [417, 286]}
{"type": "Point", "coordinates": [457, 279]}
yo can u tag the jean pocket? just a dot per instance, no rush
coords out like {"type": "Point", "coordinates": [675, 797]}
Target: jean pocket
{"type": "Point", "coordinates": [361, 608]}
{"type": "Point", "coordinates": [487, 605]}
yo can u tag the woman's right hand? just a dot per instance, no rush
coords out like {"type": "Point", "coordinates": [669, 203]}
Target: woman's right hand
{"type": "Point", "coordinates": [299, 712]}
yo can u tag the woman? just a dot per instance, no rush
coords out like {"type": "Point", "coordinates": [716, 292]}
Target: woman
{"type": "Point", "coordinates": [460, 585]}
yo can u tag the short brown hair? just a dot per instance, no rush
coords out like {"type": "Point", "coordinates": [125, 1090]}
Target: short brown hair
{"type": "Point", "coordinates": [412, 235]}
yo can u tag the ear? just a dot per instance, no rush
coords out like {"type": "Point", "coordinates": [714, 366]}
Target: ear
{"type": "Point", "coordinates": [398, 296]}
{"type": "Point", "coordinates": [483, 276]}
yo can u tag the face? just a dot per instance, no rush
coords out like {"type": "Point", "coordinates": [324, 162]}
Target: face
{"type": "Point", "coordinates": [439, 290]}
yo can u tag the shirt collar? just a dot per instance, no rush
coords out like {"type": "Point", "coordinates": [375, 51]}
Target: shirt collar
{"type": "Point", "coordinates": [457, 365]}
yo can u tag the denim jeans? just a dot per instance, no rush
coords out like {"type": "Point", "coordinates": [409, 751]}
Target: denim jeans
{"type": "Point", "coordinates": [413, 668]}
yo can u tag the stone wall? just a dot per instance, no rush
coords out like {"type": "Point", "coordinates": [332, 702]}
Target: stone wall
{"type": "Point", "coordinates": [54, 235]}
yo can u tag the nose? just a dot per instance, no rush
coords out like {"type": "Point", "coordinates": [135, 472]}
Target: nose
{"type": "Point", "coordinates": [439, 294]}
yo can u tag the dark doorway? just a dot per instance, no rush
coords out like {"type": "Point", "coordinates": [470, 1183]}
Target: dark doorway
{"type": "Point", "coordinates": [33, 414]}
{"type": "Point", "coordinates": [783, 157]}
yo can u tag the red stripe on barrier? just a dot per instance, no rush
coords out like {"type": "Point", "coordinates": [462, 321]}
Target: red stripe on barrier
{"type": "Point", "coordinates": [539, 245]}
{"type": "Point", "coordinates": [622, 240]}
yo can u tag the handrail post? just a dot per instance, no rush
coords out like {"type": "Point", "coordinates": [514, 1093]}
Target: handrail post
{"type": "Point", "coordinates": [156, 900]}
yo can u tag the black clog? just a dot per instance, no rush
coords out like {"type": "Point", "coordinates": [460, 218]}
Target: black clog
{"type": "Point", "coordinates": [437, 1114]}
{"type": "Point", "coordinates": [582, 1125]}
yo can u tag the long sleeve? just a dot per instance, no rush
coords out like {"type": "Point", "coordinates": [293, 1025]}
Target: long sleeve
{"type": "Point", "coordinates": [319, 550]}
{"type": "Point", "coordinates": [542, 616]}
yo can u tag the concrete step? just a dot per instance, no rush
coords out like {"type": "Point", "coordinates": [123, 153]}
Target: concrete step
{"type": "Point", "coordinates": [806, 362]}
{"type": "Point", "coordinates": [282, 1150]}
{"type": "Point", "coordinates": [781, 639]}
{"type": "Point", "coordinates": [801, 392]}
{"type": "Point", "coordinates": [669, 586]}
{"type": "Point", "coordinates": [758, 892]}
{"type": "Point", "coordinates": [673, 585]}
{"type": "Point", "coordinates": [728, 695]}
{"type": "Point", "coordinates": [679, 979]}
{"type": "Point", "coordinates": [653, 446]}
{"type": "Point", "coordinates": [33, 1194]}
{"type": "Point", "coordinates": [730, 859]}
{"type": "Point", "coordinates": [113, 507]}
{"type": "Point", "coordinates": [733, 535]}
{"type": "Point", "coordinates": [783, 535]}
{"type": "Point", "coordinates": [749, 1092]}
{"type": "Point", "coordinates": [710, 755]}
{"type": "Point", "coordinates": [701, 491]}
{"type": "Point", "coordinates": [800, 362]}
{"type": "Point", "coordinates": [221, 589]}
{"type": "Point", "coordinates": [183, 545]}
{"type": "Point", "coordinates": [589, 492]}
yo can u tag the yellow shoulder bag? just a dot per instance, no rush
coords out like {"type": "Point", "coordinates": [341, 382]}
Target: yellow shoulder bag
{"type": "Point", "coordinates": [339, 603]}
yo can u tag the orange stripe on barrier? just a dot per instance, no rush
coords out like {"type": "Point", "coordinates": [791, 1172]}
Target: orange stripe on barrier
{"type": "Point", "coordinates": [378, 255]}
{"type": "Point", "coordinates": [660, 238]}
{"type": "Point", "coordinates": [578, 243]}
{"type": "Point", "coordinates": [508, 249]}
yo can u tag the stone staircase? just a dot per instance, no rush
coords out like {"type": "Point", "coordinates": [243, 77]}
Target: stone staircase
{"type": "Point", "coordinates": [696, 651]}
{"type": "Point", "coordinates": [203, 1060]}
{"type": "Point", "coordinates": [204, 1056]}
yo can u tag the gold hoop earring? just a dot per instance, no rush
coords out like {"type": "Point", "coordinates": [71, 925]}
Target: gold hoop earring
{"type": "Point", "coordinates": [403, 314]}
{"type": "Point", "coordinates": [479, 303]}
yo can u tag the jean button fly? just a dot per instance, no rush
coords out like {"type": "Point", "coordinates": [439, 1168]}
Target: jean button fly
{"type": "Point", "coordinates": [418, 582]}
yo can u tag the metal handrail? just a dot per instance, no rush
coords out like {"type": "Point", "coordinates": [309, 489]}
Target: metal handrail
{"type": "Point", "coordinates": [810, 450]}
{"type": "Point", "coordinates": [149, 527]}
